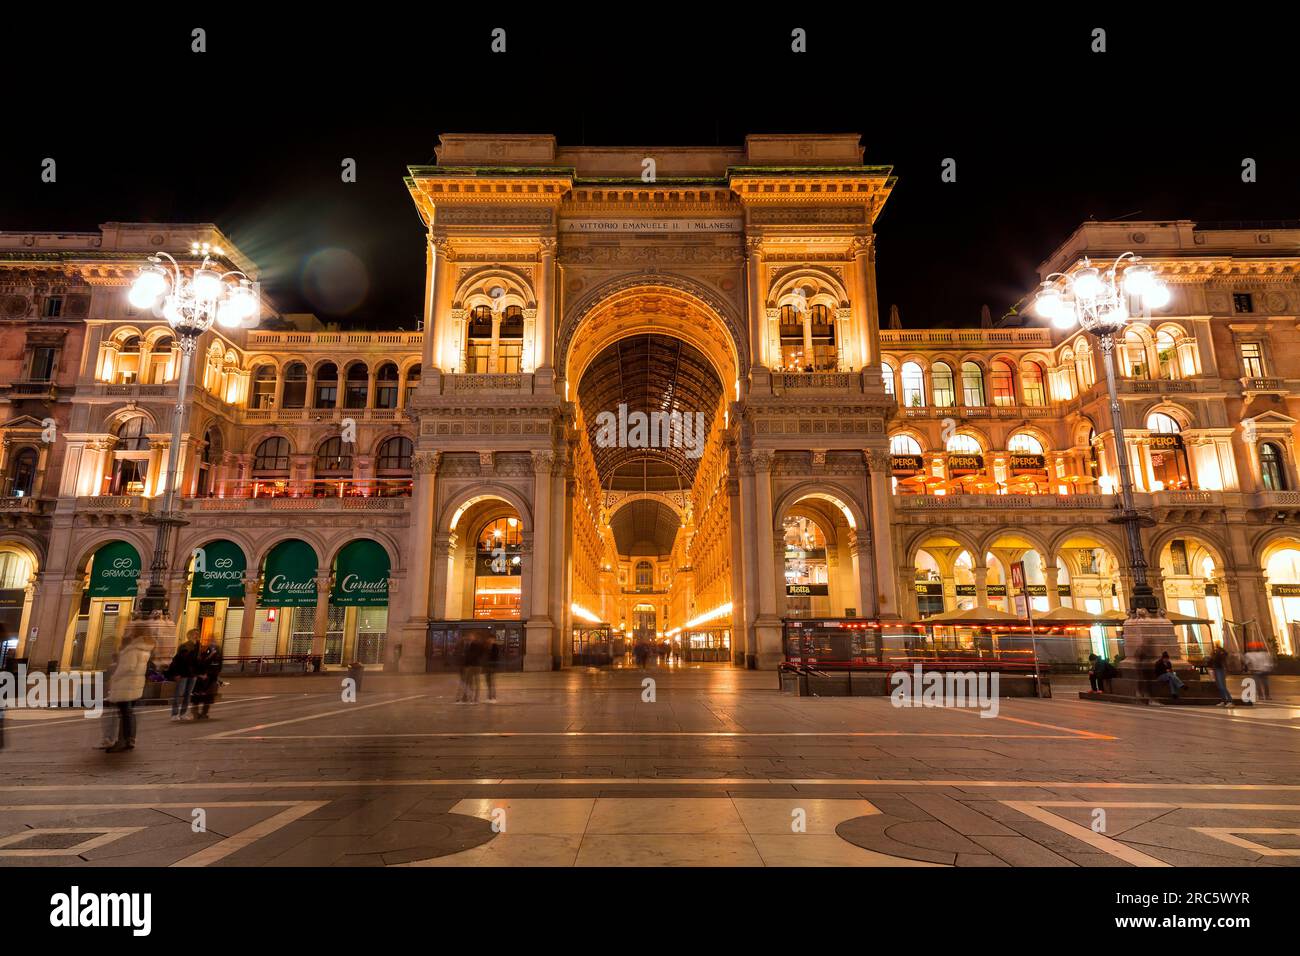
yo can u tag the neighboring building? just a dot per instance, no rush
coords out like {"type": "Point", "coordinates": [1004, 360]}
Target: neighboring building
{"type": "Point", "coordinates": [500, 470]}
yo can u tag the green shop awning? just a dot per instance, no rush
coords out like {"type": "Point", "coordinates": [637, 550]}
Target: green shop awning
{"type": "Point", "coordinates": [219, 571]}
{"type": "Point", "coordinates": [115, 571]}
{"type": "Point", "coordinates": [361, 576]}
{"type": "Point", "coordinates": [290, 576]}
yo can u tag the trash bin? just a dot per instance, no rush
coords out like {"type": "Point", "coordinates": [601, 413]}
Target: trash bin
{"type": "Point", "coordinates": [355, 671]}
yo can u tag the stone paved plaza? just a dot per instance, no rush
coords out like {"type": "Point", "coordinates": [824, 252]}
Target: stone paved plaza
{"type": "Point", "coordinates": [574, 768]}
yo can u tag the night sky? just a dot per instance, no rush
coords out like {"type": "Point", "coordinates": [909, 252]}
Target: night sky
{"type": "Point", "coordinates": [250, 135]}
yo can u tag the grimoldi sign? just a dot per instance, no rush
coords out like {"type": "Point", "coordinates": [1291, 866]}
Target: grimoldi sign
{"type": "Point", "coordinates": [653, 226]}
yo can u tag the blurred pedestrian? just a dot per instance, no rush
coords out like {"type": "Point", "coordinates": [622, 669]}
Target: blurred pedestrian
{"type": "Point", "coordinates": [183, 670]}
{"type": "Point", "coordinates": [207, 678]}
{"type": "Point", "coordinates": [1259, 662]}
{"type": "Point", "coordinates": [491, 659]}
{"type": "Point", "coordinates": [471, 663]}
{"type": "Point", "coordinates": [1219, 664]}
{"type": "Point", "coordinates": [126, 683]}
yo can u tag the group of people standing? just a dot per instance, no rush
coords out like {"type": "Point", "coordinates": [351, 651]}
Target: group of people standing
{"type": "Point", "coordinates": [195, 670]}
{"type": "Point", "coordinates": [480, 656]}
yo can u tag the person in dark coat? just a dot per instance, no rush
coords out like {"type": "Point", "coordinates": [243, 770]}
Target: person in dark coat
{"type": "Point", "coordinates": [491, 660]}
{"type": "Point", "coordinates": [183, 670]}
{"type": "Point", "coordinates": [471, 663]}
{"type": "Point", "coordinates": [207, 677]}
{"type": "Point", "coordinates": [1219, 664]}
{"type": "Point", "coordinates": [1165, 673]}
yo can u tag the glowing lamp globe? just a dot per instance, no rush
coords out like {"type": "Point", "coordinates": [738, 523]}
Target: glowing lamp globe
{"type": "Point", "coordinates": [1139, 280]}
{"type": "Point", "coordinates": [1067, 317]}
{"type": "Point", "coordinates": [147, 287]}
{"type": "Point", "coordinates": [1087, 283]}
{"type": "Point", "coordinates": [206, 283]}
{"type": "Point", "coordinates": [1157, 297]}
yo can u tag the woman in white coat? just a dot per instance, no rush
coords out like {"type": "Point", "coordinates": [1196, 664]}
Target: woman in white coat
{"type": "Point", "coordinates": [126, 683]}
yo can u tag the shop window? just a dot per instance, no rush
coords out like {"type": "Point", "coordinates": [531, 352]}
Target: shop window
{"type": "Point", "coordinates": [1169, 469]}
{"type": "Point", "coordinates": [498, 570]}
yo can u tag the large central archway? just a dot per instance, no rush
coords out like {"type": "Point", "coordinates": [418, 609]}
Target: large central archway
{"type": "Point", "coordinates": [652, 369]}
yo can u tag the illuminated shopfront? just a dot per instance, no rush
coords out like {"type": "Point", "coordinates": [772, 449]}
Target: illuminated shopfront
{"type": "Point", "coordinates": [498, 572]}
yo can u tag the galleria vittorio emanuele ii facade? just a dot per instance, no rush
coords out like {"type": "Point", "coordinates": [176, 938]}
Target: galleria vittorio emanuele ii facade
{"type": "Point", "coordinates": [659, 406]}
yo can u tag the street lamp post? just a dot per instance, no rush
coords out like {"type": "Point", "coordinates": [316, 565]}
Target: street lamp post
{"type": "Point", "coordinates": [1099, 302]}
{"type": "Point", "coordinates": [190, 304]}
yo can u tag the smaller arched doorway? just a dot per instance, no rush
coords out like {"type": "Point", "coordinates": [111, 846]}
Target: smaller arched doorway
{"type": "Point", "coordinates": [107, 599]}
{"type": "Point", "coordinates": [1282, 576]}
{"type": "Point", "coordinates": [17, 569]}
{"type": "Point", "coordinates": [285, 621]}
{"type": "Point", "coordinates": [214, 602]}
{"type": "Point", "coordinates": [360, 595]}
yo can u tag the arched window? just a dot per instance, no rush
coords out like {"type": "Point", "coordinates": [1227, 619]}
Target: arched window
{"type": "Point", "coordinates": [211, 452]}
{"type": "Point", "coordinates": [333, 459]}
{"type": "Point", "coordinates": [1025, 444]}
{"type": "Point", "coordinates": [821, 323]}
{"type": "Point", "coordinates": [1162, 424]}
{"type": "Point", "coordinates": [498, 570]}
{"type": "Point", "coordinates": [131, 435]}
{"type": "Point", "coordinates": [130, 458]}
{"type": "Point", "coordinates": [913, 385]}
{"type": "Point", "coordinates": [327, 386]}
{"type": "Point", "coordinates": [1133, 355]}
{"type": "Point", "coordinates": [271, 458]}
{"type": "Point", "coordinates": [887, 376]}
{"type": "Point", "coordinates": [22, 474]}
{"type": "Point", "coordinates": [357, 386]}
{"type": "Point", "coordinates": [972, 384]}
{"type": "Point", "coordinates": [645, 574]}
{"type": "Point", "coordinates": [1085, 371]}
{"type": "Point", "coordinates": [510, 340]}
{"type": "Point", "coordinates": [160, 357]}
{"type": "Point", "coordinates": [1169, 468]}
{"type": "Point", "coordinates": [412, 383]}
{"type": "Point", "coordinates": [263, 387]}
{"type": "Point", "coordinates": [1004, 384]}
{"type": "Point", "coordinates": [478, 348]}
{"type": "Point", "coordinates": [1031, 383]}
{"type": "Point", "coordinates": [963, 445]}
{"type": "Point", "coordinates": [393, 459]}
{"type": "Point", "coordinates": [1271, 469]}
{"type": "Point", "coordinates": [941, 385]}
{"type": "Point", "coordinates": [386, 386]}
{"type": "Point", "coordinates": [901, 444]}
{"type": "Point", "coordinates": [128, 361]}
{"type": "Point", "coordinates": [295, 385]}
{"type": "Point", "coordinates": [1167, 354]}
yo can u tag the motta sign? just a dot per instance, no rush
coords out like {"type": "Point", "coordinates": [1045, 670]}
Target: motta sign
{"type": "Point", "coordinates": [806, 590]}
{"type": "Point", "coordinates": [652, 226]}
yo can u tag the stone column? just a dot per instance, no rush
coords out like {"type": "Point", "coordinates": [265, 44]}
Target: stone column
{"type": "Point", "coordinates": [418, 601]}
{"type": "Point", "coordinates": [252, 585]}
{"type": "Point", "coordinates": [767, 626]}
{"type": "Point", "coordinates": [544, 330]}
{"type": "Point", "coordinates": [755, 301]}
{"type": "Point", "coordinates": [981, 587]}
{"type": "Point", "coordinates": [539, 627]}
{"type": "Point", "coordinates": [739, 644]}
{"type": "Point", "coordinates": [884, 598]}
{"type": "Point", "coordinates": [860, 551]}
{"type": "Point", "coordinates": [867, 324]}
{"type": "Point", "coordinates": [321, 622]}
{"type": "Point", "coordinates": [1050, 572]}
